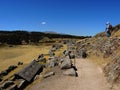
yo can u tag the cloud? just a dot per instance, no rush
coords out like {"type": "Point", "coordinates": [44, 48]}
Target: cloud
{"type": "Point", "coordinates": [43, 23]}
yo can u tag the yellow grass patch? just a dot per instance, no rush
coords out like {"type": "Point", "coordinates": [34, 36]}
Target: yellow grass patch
{"type": "Point", "coordinates": [24, 53]}
{"type": "Point", "coordinates": [98, 60]}
{"type": "Point", "coordinates": [27, 53]}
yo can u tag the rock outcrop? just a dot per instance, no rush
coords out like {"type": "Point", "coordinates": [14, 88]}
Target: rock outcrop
{"type": "Point", "coordinates": [112, 70]}
{"type": "Point", "coordinates": [107, 48]}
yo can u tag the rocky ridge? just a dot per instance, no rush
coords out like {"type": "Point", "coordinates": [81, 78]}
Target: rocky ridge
{"type": "Point", "coordinates": [107, 48]}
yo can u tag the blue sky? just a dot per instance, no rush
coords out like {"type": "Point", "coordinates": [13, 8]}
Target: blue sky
{"type": "Point", "coordinates": [76, 17]}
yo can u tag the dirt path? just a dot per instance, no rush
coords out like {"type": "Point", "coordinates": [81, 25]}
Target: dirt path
{"type": "Point", "coordinates": [90, 77]}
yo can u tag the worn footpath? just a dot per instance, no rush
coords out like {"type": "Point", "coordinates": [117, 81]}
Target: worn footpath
{"type": "Point", "coordinates": [90, 77]}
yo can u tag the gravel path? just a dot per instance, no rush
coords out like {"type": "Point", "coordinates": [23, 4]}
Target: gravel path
{"type": "Point", "coordinates": [90, 77]}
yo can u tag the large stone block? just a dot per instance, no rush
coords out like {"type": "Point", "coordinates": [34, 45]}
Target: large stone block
{"type": "Point", "coordinates": [66, 64]}
{"type": "Point", "coordinates": [70, 72]}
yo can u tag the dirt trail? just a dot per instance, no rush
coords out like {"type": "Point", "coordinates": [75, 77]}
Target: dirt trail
{"type": "Point", "coordinates": [90, 77]}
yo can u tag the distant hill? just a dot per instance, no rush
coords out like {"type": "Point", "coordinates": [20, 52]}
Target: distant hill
{"type": "Point", "coordinates": [50, 32]}
{"type": "Point", "coordinates": [17, 37]}
{"type": "Point", "coordinates": [53, 32]}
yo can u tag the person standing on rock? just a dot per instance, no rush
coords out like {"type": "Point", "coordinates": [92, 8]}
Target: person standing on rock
{"type": "Point", "coordinates": [108, 29]}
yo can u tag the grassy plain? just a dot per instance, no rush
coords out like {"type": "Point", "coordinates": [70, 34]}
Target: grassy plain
{"type": "Point", "coordinates": [23, 53]}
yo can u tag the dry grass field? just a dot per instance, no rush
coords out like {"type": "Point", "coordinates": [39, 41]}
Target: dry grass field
{"type": "Point", "coordinates": [23, 53]}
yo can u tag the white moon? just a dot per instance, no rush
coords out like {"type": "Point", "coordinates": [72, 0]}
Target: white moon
{"type": "Point", "coordinates": [43, 23]}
